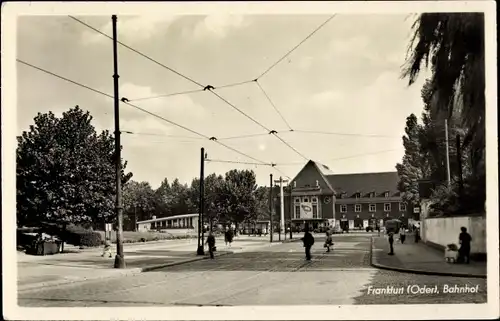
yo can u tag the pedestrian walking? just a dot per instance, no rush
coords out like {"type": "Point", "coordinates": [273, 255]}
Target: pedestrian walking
{"type": "Point", "coordinates": [308, 241]}
{"type": "Point", "coordinates": [402, 234]}
{"type": "Point", "coordinates": [391, 242]}
{"type": "Point", "coordinates": [417, 235]}
{"type": "Point", "coordinates": [211, 244]}
{"type": "Point", "coordinates": [229, 237]}
{"type": "Point", "coordinates": [328, 241]}
{"type": "Point", "coordinates": [464, 252]}
{"type": "Point", "coordinates": [107, 248]}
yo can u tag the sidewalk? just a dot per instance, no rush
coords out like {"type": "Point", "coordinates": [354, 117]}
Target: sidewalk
{"type": "Point", "coordinates": [76, 266]}
{"type": "Point", "coordinates": [419, 258]}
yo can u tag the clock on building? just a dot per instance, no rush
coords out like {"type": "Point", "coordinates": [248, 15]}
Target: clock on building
{"type": "Point", "coordinates": [327, 200]}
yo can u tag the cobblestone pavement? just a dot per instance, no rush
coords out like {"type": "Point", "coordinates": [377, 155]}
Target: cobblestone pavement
{"type": "Point", "coordinates": [276, 275]}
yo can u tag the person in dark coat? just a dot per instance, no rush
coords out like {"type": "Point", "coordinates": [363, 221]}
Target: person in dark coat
{"type": "Point", "coordinates": [464, 252]}
{"type": "Point", "coordinates": [391, 242]}
{"type": "Point", "coordinates": [308, 241]}
{"type": "Point", "coordinates": [211, 244]}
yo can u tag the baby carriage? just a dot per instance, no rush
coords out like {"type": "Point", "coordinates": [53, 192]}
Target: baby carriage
{"type": "Point", "coordinates": [451, 253]}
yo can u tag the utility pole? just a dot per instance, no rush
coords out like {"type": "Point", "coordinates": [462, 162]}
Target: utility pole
{"type": "Point", "coordinates": [201, 233]}
{"type": "Point", "coordinates": [448, 175]}
{"type": "Point", "coordinates": [291, 211]}
{"type": "Point", "coordinates": [119, 258]}
{"type": "Point", "coordinates": [282, 206]}
{"type": "Point", "coordinates": [271, 207]}
{"type": "Point", "coordinates": [459, 162]}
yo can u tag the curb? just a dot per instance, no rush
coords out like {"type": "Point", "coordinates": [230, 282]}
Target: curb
{"type": "Point", "coordinates": [121, 273]}
{"type": "Point", "coordinates": [423, 272]}
{"type": "Point", "coordinates": [127, 272]}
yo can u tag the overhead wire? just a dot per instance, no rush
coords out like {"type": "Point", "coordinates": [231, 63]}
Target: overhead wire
{"type": "Point", "coordinates": [154, 134]}
{"type": "Point", "coordinates": [344, 134]}
{"type": "Point", "coordinates": [136, 51]}
{"type": "Point", "coordinates": [139, 108]}
{"type": "Point", "coordinates": [209, 88]}
{"type": "Point", "coordinates": [342, 158]}
{"type": "Point", "coordinates": [298, 45]}
{"type": "Point", "coordinates": [272, 104]}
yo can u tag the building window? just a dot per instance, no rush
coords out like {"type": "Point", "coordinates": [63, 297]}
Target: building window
{"type": "Point", "coordinates": [387, 207]}
{"type": "Point", "coordinates": [357, 195]}
{"type": "Point", "coordinates": [343, 208]}
{"type": "Point", "coordinates": [297, 200]}
{"type": "Point", "coordinates": [314, 200]}
{"type": "Point", "coordinates": [357, 208]}
{"type": "Point", "coordinates": [372, 194]}
{"type": "Point", "coordinates": [386, 194]}
{"type": "Point", "coordinates": [402, 207]}
{"type": "Point", "coordinates": [297, 211]}
{"type": "Point", "coordinates": [315, 210]}
{"type": "Point", "coordinates": [306, 200]}
{"type": "Point", "coordinates": [372, 208]}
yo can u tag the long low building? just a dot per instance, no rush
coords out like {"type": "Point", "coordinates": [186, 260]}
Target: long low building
{"type": "Point", "coordinates": [319, 197]}
{"type": "Point", "coordinates": [185, 221]}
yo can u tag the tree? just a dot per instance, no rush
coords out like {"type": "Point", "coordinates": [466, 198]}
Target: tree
{"type": "Point", "coordinates": [214, 203]}
{"type": "Point", "coordinates": [65, 171]}
{"type": "Point", "coordinates": [454, 45]}
{"type": "Point", "coordinates": [179, 196]}
{"type": "Point", "coordinates": [239, 195]}
{"type": "Point", "coordinates": [163, 199]}
{"type": "Point", "coordinates": [139, 203]}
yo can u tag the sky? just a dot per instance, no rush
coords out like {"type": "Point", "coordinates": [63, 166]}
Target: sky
{"type": "Point", "coordinates": [344, 79]}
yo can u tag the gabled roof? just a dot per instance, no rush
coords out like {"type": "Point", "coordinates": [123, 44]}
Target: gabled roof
{"type": "Point", "coordinates": [322, 170]}
{"type": "Point", "coordinates": [365, 183]}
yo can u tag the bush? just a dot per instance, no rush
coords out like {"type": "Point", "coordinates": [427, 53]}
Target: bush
{"type": "Point", "coordinates": [90, 239]}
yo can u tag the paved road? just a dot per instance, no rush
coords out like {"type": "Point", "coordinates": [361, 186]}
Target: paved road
{"type": "Point", "coordinates": [275, 275]}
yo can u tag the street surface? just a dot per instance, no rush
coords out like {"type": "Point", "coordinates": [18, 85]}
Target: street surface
{"type": "Point", "coordinates": [276, 275]}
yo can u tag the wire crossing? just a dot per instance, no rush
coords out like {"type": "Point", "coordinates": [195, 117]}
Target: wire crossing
{"type": "Point", "coordinates": [208, 88]}
{"type": "Point", "coordinates": [141, 109]}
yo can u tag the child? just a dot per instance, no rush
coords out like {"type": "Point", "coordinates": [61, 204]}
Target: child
{"type": "Point", "coordinates": [328, 241]}
{"type": "Point", "coordinates": [107, 248]}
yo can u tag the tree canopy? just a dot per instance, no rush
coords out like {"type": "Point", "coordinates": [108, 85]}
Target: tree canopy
{"type": "Point", "coordinates": [65, 171]}
{"type": "Point", "coordinates": [452, 45]}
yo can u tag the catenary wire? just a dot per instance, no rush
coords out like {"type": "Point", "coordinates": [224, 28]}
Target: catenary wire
{"type": "Point", "coordinates": [347, 157]}
{"type": "Point", "coordinates": [139, 108]}
{"type": "Point", "coordinates": [190, 91]}
{"type": "Point", "coordinates": [193, 81]}
{"type": "Point", "coordinates": [343, 134]}
{"type": "Point", "coordinates": [161, 135]}
{"type": "Point", "coordinates": [167, 95]}
{"type": "Point", "coordinates": [294, 48]}
{"type": "Point", "coordinates": [136, 51]}
{"type": "Point", "coordinates": [272, 104]}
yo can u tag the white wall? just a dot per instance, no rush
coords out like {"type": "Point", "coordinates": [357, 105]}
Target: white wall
{"type": "Point", "coordinates": [444, 231]}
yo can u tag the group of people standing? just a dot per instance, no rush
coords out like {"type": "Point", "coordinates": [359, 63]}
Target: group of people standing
{"type": "Point", "coordinates": [228, 239]}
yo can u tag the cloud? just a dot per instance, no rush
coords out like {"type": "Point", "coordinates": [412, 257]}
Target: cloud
{"type": "Point", "coordinates": [326, 99]}
{"type": "Point", "coordinates": [132, 29]}
{"type": "Point", "coordinates": [219, 26]}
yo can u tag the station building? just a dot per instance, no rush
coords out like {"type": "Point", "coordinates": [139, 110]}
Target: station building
{"type": "Point", "coordinates": [319, 197]}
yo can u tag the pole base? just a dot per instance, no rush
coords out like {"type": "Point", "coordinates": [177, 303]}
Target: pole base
{"type": "Point", "coordinates": [200, 250]}
{"type": "Point", "coordinates": [119, 262]}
